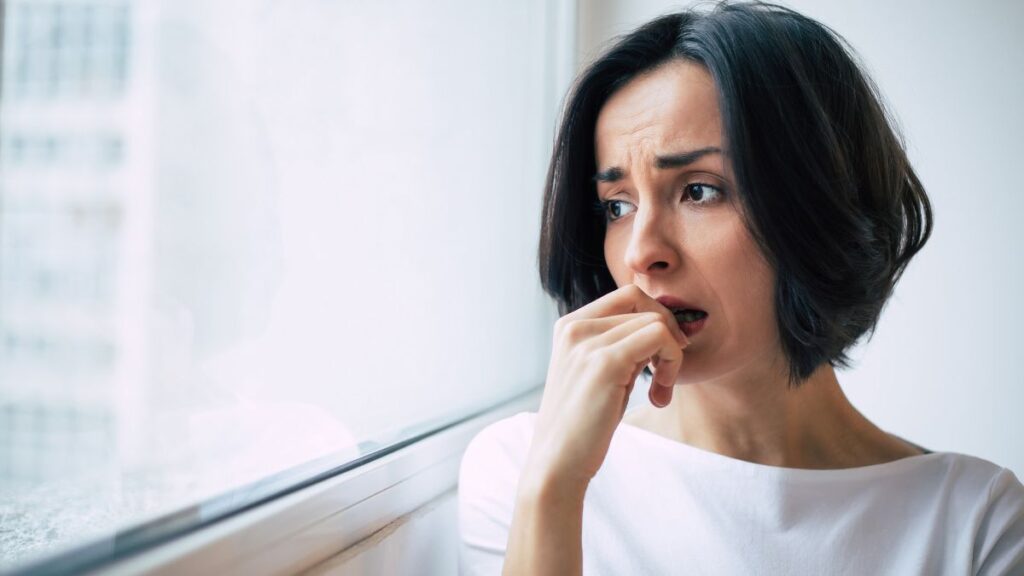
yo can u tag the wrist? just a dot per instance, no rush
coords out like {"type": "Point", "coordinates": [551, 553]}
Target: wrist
{"type": "Point", "coordinates": [542, 487]}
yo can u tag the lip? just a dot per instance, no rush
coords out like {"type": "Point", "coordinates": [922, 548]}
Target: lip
{"type": "Point", "coordinates": [691, 328]}
{"type": "Point", "coordinates": [671, 302]}
{"type": "Point", "coordinates": [688, 328]}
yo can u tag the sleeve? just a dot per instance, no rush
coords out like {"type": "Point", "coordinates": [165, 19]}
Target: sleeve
{"type": "Point", "coordinates": [488, 477]}
{"type": "Point", "coordinates": [999, 544]}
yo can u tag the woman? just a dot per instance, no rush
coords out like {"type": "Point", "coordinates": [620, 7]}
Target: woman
{"type": "Point", "coordinates": [729, 207]}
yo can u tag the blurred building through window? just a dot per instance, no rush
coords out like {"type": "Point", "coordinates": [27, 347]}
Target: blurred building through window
{"type": "Point", "coordinates": [240, 238]}
{"type": "Point", "coordinates": [68, 187]}
{"type": "Point", "coordinates": [65, 82]}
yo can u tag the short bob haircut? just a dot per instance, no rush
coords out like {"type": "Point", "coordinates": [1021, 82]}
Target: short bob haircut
{"type": "Point", "coordinates": [826, 188]}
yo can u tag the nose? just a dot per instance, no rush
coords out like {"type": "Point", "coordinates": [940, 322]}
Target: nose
{"type": "Point", "coordinates": [652, 242]}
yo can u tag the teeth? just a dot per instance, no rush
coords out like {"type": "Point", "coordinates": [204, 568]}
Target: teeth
{"type": "Point", "coordinates": [690, 315]}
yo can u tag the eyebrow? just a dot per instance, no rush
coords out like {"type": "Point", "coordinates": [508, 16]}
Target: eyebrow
{"type": "Point", "coordinates": [614, 174]}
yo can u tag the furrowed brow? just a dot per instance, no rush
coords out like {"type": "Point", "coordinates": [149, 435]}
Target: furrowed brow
{"type": "Point", "coordinates": [685, 158]}
{"type": "Point", "coordinates": [613, 174]}
{"type": "Point", "coordinates": [680, 160]}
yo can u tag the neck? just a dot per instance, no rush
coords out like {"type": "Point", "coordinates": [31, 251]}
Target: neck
{"type": "Point", "coordinates": [760, 419]}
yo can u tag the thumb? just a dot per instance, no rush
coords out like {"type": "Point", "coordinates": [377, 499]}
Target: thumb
{"type": "Point", "coordinates": [660, 395]}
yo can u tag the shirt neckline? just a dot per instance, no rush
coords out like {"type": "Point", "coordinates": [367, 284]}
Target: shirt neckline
{"type": "Point", "coordinates": [732, 465]}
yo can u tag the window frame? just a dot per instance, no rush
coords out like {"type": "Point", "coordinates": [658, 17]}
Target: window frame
{"type": "Point", "coordinates": [306, 526]}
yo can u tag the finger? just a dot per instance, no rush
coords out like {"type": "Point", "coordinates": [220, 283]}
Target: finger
{"type": "Point", "coordinates": [660, 393]}
{"type": "Point", "coordinates": [617, 328]}
{"type": "Point", "coordinates": [665, 371]}
{"type": "Point", "coordinates": [625, 300]}
{"type": "Point", "coordinates": [604, 323]}
{"type": "Point", "coordinates": [629, 392]}
{"type": "Point", "coordinates": [628, 324]}
{"type": "Point", "coordinates": [660, 396]}
{"type": "Point", "coordinates": [647, 341]}
{"type": "Point", "coordinates": [664, 374]}
{"type": "Point", "coordinates": [632, 379]}
{"type": "Point", "coordinates": [577, 331]}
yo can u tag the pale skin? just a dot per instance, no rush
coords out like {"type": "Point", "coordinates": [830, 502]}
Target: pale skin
{"type": "Point", "coordinates": [675, 230]}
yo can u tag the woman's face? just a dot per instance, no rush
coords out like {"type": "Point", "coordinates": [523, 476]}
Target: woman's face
{"type": "Point", "coordinates": [675, 227]}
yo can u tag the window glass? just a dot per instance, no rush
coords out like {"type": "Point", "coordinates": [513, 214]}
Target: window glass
{"type": "Point", "coordinates": [237, 238]}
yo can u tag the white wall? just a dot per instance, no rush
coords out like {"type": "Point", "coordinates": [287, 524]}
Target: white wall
{"type": "Point", "coordinates": [941, 369]}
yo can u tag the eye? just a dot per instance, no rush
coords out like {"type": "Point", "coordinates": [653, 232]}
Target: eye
{"type": "Point", "coordinates": [607, 209]}
{"type": "Point", "coordinates": [703, 194]}
{"type": "Point", "coordinates": [700, 194]}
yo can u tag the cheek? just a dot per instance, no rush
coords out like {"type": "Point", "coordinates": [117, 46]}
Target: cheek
{"type": "Point", "coordinates": [745, 284]}
{"type": "Point", "coordinates": [614, 256]}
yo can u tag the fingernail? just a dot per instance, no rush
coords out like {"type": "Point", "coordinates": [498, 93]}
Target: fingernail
{"type": "Point", "coordinates": [650, 395]}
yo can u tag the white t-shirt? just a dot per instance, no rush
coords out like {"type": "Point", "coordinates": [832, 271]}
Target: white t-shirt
{"type": "Point", "coordinates": [657, 506]}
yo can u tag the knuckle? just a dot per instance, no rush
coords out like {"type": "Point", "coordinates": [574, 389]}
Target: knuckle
{"type": "Point", "coordinates": [663, 328]}
{"type": "Point", "coordinates": [573, 331]}
{"type": "Point", "coordinates": [653, 317]}
{"type": "Point", "coordinates": [665, 332]}
{"type": "Point", "coordinates": [560, 323]}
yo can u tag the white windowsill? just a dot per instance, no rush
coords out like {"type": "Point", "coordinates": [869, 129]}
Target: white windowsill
{"type": "Point", "coordinates": [300, 530]}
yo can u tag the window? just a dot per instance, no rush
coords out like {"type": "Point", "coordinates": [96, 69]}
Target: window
{"type": "Point", "coordinates": [242, 243]}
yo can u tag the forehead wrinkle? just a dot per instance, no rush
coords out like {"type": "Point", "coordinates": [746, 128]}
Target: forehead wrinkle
{"type": "Point", "coordinates": [665, 111]}
{"type": "Point", "coordinates": [644, 125]}
{"type": "Point", "coordinates": [637, 159]}
{"type": "Point", "coordinates": [636, 142]}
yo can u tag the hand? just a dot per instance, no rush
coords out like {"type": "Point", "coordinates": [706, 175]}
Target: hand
{"type": "Point", "coordinates": [597, 352]}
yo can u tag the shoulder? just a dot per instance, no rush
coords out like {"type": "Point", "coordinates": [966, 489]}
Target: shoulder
{"type": "Point", "coordinates": [488, 480]}
{"type": "Point", "coordinates": [969, 480]}
{"type": "Point", "coordinates": [990, 500]}
{"type": "Point", "coordinates": [508, 433]}
{"type": "Point", "coordinates": [981, 478]}
{"type": "Point", "coordinates": [493, 458]}
{"type": "Point", "coordinates": [500, 447]}
{"type": "Point", "coordinates": [999, 545]}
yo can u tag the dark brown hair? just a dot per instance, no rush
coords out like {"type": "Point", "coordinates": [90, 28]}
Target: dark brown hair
{"type": "Point", "coordinates": [824, 181]}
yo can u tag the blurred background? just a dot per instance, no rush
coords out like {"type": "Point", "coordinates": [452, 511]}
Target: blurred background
{"type": "Point", "coordinates": [242, 238]}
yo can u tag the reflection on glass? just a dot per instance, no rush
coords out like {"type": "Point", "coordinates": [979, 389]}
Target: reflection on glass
{"type": "Point", "coordinates": [225, 254]}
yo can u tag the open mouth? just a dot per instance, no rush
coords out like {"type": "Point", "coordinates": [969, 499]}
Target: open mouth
{"type": "Point", "coordinates": [687, 315]}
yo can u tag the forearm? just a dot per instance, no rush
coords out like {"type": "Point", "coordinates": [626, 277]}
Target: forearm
{"type": "Point", "coordinates": [545, 537]}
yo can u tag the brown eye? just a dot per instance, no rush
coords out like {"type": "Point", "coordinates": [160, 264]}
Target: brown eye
{"type": "Point", "coordinates": [611, 209]}
{"type": "Point", "coordinates": [702, 193]}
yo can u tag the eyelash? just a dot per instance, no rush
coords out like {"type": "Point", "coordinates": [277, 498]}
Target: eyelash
{"type": "Point", "coordinates": [601, 207]}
